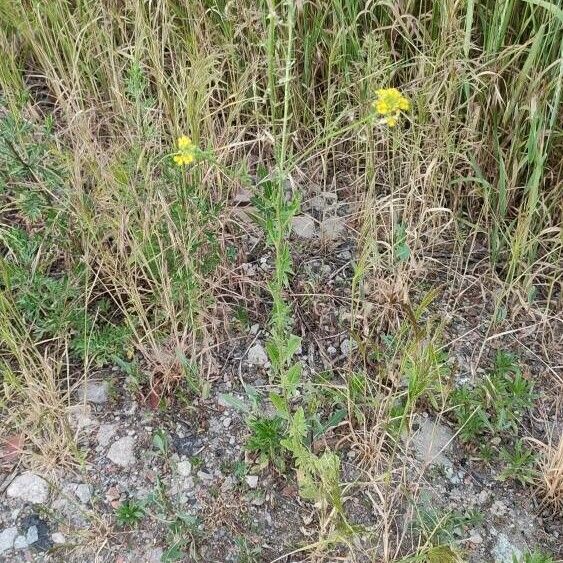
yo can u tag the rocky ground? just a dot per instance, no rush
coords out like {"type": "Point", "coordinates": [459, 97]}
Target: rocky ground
{"type": "Point", "coordinates": [178, 484]}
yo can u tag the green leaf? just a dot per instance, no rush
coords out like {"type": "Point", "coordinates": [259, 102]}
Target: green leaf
{"type": "Point", "coordinates": [550, 7]}
{"type": "Point", "coordinates": [293, 344]}
{"type": "Point", "coordinates": [279, 404]}
{"type": "Point", "coordinates": [235, 402]}
{"type": "Point", "coordinates": [273, 354]}
{"type": "Point", "coordinates": [291, 377]}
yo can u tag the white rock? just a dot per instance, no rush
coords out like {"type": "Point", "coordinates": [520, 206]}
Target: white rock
{"type": "Point", "coordinates": [347, 345]}
{"type": "Point", "coordinates": [504, 551]}
{"type": "Point", "coordinates": [184, 468]}
{"type": "Point", "coordinates": [121, 452]}
{"type": "Point", "coordinates": [252, 481]}
{"type": "Point", "coordinates": [7, 539]}
{"type": "Point", "coordinates": [483, 496]}
{"type": "Point", "coordinates": [32, 535]}
{"type": "Point", "coordinates": [257, 355]}
{"type": "Point", "coordinates": [29, 488]}
{"type": "Point", "coordinates": [227, 421]}
{"type": "Point", "coordinates": [476, 538]}
{"type": "Point", "coordinates": [20, 542]}
{"type": "Point", "coordinates": [106, 433]}
{"type": "Point", "coordinates": [80, 417]}
{"type": "Point", "coordinates": [303, 226]}
{"type": "Point", "coordinates": [58, 538]}
{"type": "Point", "coordinates": [333, 228]}
{"type": "Point", "coordinates": [94, 392]}
{"type": "Point", "coordinates": [82, 491]}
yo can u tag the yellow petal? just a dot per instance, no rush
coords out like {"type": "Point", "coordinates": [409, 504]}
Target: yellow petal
{"type": "Point", "coordinates": [184, 142]}
{"type": "Point", "coordinates": [178, 159]}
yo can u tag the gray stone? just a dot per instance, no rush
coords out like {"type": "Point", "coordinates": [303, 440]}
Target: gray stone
{"type": "Point", "coordinates": [7, 539]}
{"type": "Point", "coordinates": [333, 228]}
{"type": "Point", "coordinates": [58, 538]}
{"type": "Point", "coordinates": [430, 442]}
{"type": "Point", "coordinates": [94, 392]}
{"type": "Point", "coordinates": [80, 417]}
{"type": "Point", "coordinates": [228, 484]}
{"type": "Point", "coordinates": [106, 433]}
{"type": "Point", "coordinates": [184, 468]}
{"type": "Point", "coordinates": [20, 542]}
{"type": "Point", "coordinates": [347, 345]}
{"type": "Point", "coordinates": [204, 476]}
{"type": "Point", "coordinates": [257, 355]}
{"type": "Point", "coordinates": [121, 452]}
{"type": "Point", "coordinates": [82, 491]}
{"type": "Point", "coordinates": [29, 488]}
{"type": "Point", "coordinates": [242, 196]}
{"type": "Point", "coordinates": [303, 226]}
{"type": "Point", "coordinates": [476, 538]}
{"type": "Point", "coordinates": [504, 551]}
{"type": "Point", "coordinates": [323, 201]}
{"type": "Point", "coordinates": [499, 508]}
{"type": "Point", "coordinates": [252, 481]}
{"type": "Point", "coordinates": [32, 535]}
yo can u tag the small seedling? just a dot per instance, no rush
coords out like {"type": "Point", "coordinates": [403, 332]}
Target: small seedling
{"type": "Point", "coordinates": [160, 442]}
{"type": "Point", "coordinates": [265, 440]}
{"type": "Point", "coordinates": [496, 405]}
{"type": "Point", "coordinates": [130, 513]}
{"type": "Point", "coordinates": [520, 464]}
{"type": "Point", "coordinates": [247, 553]}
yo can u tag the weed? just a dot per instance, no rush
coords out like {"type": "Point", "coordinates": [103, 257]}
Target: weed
{"type": "Point", "coordinates": [521, 464]}
{"type": "Point", "coordinates": [438, 527]}
{"type": "Point", "coordinates": [181, 538]}
{"type": "Point", "coordinates": [161, 442]}
{"type": "Point", "coordinates": [495, 405]}
{"type": "Point", "coordinates": [130, 513]}
{"type": "Point", "coordinates": [247, 553]}
{"type": "Point", "coordinates": [265, 439]}
{"type": "Point", "coordinates": [533, 557]}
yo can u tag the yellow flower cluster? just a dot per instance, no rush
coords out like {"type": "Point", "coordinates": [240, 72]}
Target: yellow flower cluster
{"type": "Point", "coordinates": [186, 151]}
{"type": "Point", "coordinates": [389, 104]}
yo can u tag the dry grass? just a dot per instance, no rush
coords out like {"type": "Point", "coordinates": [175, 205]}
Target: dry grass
{"type": "Point", "coordinates": [466, 192]}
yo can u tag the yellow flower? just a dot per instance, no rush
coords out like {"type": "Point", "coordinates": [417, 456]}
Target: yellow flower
{"type": "Point", "coordinates": [186, 151]}
{"type": "Point", "coordinates": [389, 104]}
